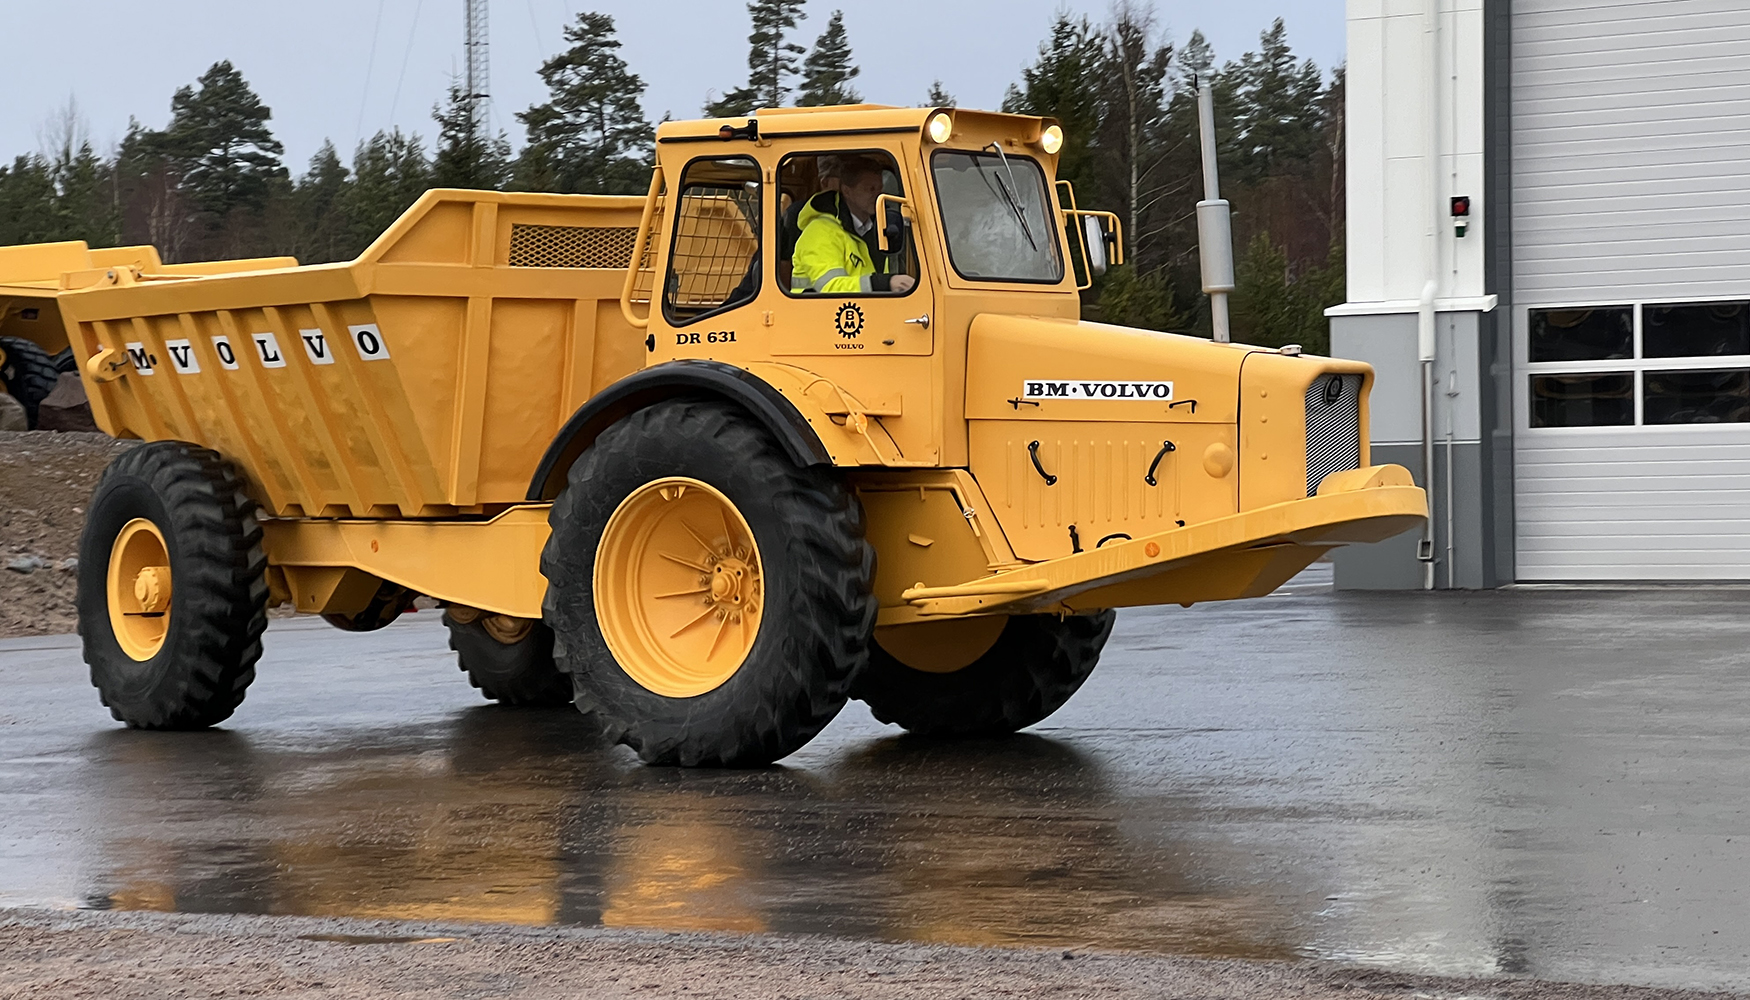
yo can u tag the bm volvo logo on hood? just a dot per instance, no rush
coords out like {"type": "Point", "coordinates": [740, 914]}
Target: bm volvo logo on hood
{"type": "Point", "coordinates": [1077, 389]}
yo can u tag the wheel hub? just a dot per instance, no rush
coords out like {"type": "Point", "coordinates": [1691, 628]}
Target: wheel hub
{"type": "Point", "coordinates": [139, 589]}
{"type": "Point", "coordinates": [678, 587]}
{"type": "Point", "coordinates": [152, 589]}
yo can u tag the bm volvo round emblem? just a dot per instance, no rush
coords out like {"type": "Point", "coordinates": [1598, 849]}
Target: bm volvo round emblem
{"type": "Point", "coordinates": [849, 320]}
{"type": "Point", "coordinates": [1333, 389]}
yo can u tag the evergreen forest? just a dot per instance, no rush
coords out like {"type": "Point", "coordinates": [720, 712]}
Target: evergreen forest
{"type": "Point", "coordinates": [213, 182]}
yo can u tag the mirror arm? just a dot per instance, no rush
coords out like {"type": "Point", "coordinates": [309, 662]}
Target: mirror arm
{"type": "Point", "coordinates": [881, 203]}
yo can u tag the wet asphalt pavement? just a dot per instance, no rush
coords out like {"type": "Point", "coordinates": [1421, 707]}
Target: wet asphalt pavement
{"type": "Point", "coordinates": [1545, 783]}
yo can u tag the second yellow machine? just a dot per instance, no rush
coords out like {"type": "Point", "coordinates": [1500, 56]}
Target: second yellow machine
{"type": "Point", "coordinates": [816, 419]}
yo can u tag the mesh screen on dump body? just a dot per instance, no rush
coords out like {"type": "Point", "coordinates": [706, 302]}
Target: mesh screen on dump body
{"type": "Point", "coordinates": [571, 246]}
{"type": "Point", "coordinates": [1333, 427]}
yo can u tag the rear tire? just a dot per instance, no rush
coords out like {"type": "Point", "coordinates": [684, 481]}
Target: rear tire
{"type": "Point", "coordinates": [173, 633]}
{"type": "Point", "coordinates": [519, 671]}
{"type": "Point", "coordinates": [798, 637]}
{"type": "Point", "coordinates": [29, 373]}
{"type": "Point", "coordinates": [1035, 665]}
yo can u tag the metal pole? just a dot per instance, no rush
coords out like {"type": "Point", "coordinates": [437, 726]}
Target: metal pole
{"type": "Point", "coordinates": [476, 53]}
{"type": "Point", "coordinates": [1215, 242]}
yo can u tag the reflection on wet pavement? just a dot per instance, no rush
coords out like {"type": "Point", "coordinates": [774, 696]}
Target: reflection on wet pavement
{"type": "Point", "coordinates": [1542, 783]}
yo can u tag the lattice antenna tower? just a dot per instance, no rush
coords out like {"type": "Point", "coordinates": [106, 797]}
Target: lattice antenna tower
{"type": "Point", "coordinates": [476, 50]}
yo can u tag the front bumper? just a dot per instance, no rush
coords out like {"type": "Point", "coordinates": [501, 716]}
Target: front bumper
{"type": "Point", "coordinates": [1242, 555]}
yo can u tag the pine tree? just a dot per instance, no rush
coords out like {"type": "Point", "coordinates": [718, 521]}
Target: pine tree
{"type": "Point", "coordinates": [466, 156]}
{"type": "Point", "coordinates": [1274, 304]}
{"type": "Point", "coordinates": [1064, 84]}
{"type": "Point", "coordinates": [85, 206]}
{"type": "Point", "coordinates": [1141, 299]}
{"type": "Point", "coordinates": [319, 207]}
{"type": "Point", "coordinates": [219, 146]}
{"type": "Point", "coordinates": [27, 201]}
{"type": "Point", "coordinates": [591, 136]}
{"type": "Point", "coordinates": [154, 207]}
{"type": "Point", "coordinates": [827, 72]}
{"type": "Point", "coordinates": [1195, 64]}
{"type": "Point", "coordinates": [390, 172]}
{"type": "Point", "coordinates": [737, 103]}
{"type": "Point", "coordinates": [938, 97]}
{"type": "Point", "coordinates": [1277, 119]}
{"type": "Point", "coordinates": [771, 60]}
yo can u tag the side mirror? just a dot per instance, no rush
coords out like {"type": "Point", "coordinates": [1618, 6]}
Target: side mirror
{"type": "Point", "coordinates": [1094, 237]}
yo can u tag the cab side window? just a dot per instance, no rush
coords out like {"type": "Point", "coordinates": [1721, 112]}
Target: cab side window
{"type": "Point", "coordinates": [714, 249]}
{"type": "Point", "coordinates": [827, 237]}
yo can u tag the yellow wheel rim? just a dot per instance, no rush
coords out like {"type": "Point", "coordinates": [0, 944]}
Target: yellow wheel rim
{"type": "Point", "coordinates": [139, 589]}
{"type": "Point", "coordinates": [679, 591]}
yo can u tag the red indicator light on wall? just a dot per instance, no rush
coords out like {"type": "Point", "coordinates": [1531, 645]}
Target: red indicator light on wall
{"type": "Point", "coordinates": [1460, 215]}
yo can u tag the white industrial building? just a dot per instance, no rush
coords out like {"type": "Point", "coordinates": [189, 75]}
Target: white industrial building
{"type": "Point", "coordinates": [1590, 359]}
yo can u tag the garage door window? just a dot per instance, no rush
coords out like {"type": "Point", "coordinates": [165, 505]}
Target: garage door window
{"type": "Point", "coordinates": [1600, 334]}
{"type": "Point", "coordinates": [1650, 364]}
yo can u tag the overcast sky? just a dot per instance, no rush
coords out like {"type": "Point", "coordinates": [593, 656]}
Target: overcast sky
{"type": "Point", "coordinates": [342, 69]}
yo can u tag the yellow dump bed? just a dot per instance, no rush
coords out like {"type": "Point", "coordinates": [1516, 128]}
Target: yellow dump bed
{"type": "Point", "coordinates": [423, 379]}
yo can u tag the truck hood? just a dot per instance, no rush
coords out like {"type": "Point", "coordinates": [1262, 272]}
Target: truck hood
{"type": "Point", "coordinates": [1063, 369]}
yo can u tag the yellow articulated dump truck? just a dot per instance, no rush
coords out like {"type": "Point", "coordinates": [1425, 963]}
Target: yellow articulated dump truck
{"type": "Point", "coordinates": [814, 420]}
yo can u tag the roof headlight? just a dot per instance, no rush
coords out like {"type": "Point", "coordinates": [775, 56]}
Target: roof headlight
{"type": "Point", "coordinates": [1051, 140]}
{"type": "Point", "coordinates": [941, 126]}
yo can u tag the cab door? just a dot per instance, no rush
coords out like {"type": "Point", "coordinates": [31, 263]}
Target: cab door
{"type": "Point", "coordinates": [833, 324]}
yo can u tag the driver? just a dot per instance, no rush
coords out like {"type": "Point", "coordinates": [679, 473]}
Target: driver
{"type": "Point", "coordinates": [833, 254]}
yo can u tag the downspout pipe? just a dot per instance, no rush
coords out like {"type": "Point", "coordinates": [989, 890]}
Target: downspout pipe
{"type": "Point", "coordinates": [1425, 343]}
{"type": "Point", "coordinates": [1425, 354]}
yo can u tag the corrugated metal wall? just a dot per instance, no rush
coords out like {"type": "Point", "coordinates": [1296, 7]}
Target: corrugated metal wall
{"type": "Point", "coordinates": [1631, 184]}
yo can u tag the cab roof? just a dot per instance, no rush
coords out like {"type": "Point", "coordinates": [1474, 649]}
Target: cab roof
{"type": "Point", "coordinates": [855, 119]}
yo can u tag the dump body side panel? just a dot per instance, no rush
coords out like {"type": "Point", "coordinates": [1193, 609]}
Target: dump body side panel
{"type": "Point", "coordinates": [424, 379]}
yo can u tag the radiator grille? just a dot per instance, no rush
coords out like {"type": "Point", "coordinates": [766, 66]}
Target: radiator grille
{"type": "Point", "coordinates": [571, 246]}
{"type": "Point", "coordinates": [1333, 427]}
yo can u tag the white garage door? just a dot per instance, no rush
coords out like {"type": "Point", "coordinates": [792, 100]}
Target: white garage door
{"type": "Point", "coordinates": [1631, 219]}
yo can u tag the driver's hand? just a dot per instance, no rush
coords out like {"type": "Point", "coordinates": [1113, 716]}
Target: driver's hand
{"type": "Point", "coordinates": [901, 283]}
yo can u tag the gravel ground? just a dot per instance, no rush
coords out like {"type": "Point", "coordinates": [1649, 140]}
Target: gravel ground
{"type": "Point", "coordinates": [46, 479]}
{"type": "Point", "coordinates": [55, 955]}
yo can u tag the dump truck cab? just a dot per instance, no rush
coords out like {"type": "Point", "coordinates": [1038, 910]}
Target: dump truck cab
{"type": "Point", "coordinates": [726, 292]}
{"type": "Point", "coordinates": [1073, 435]}
{"type": "Point", "coordinates": [815, 419]}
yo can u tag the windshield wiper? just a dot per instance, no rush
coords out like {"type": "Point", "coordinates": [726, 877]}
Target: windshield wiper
{"type": "Point", "coordinates": [1014, 206]}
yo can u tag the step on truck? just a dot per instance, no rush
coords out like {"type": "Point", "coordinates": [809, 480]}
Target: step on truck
{"type": "Point", "coordinates": [651, 458]}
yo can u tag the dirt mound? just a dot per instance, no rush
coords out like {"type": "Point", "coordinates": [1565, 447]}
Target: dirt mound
{"type": "Point", "coordinates": [46, 479]}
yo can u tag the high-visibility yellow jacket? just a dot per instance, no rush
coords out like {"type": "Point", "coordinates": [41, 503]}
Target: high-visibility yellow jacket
{"type": "Point", "coordinates": [831, 258]}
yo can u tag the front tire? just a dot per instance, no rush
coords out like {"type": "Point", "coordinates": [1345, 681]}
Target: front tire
{"type": "Point", "coordinates": [172, 597]}
{"type": "Point", "coordinates": [710, 599]}
{"type": "Point", "coordinates": [1033, 666]}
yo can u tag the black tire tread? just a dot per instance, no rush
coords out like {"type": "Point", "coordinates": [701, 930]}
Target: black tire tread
{"type": "Point", "coordinates": [219, 602]}
{"type": "Point", "coordinates": [830, 617]}
{"type": "Point", "coordinates": [520, 674]}
{"type": "Point", "coordinates": [30, 374]}
{"type": "Point", "coordinates": [1037, 663]}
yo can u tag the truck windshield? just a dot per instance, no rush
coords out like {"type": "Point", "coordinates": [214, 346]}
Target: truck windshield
{"type": "Point", "coordinates": [997, 217]}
